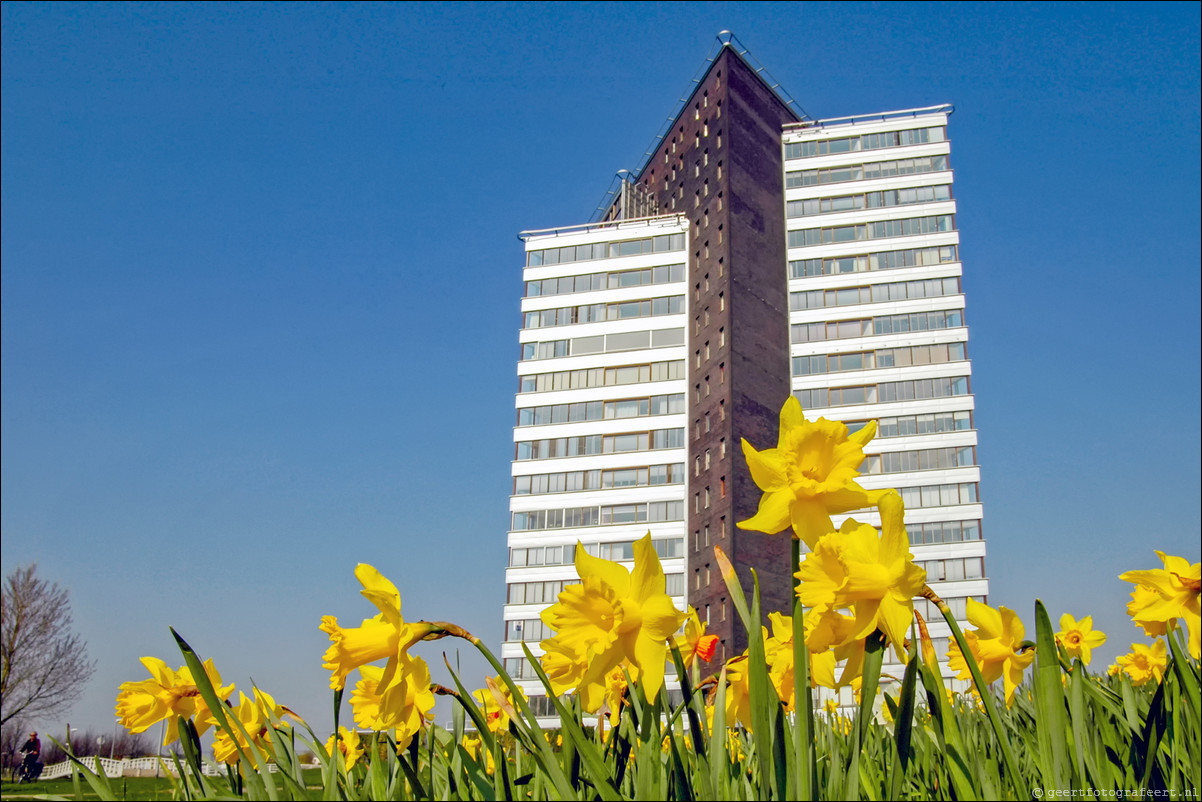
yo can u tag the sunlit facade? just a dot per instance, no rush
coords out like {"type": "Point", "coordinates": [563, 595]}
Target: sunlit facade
{"type": "Point", "coordinates": [877, 325]}
{"type": "Point", "coordinates": [599, 445]}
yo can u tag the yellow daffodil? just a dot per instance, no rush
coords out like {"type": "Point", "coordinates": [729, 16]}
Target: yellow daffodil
{"type": "Point", "coordinates": [365, 701]}
{"type": "Point", "coordinates": [613, 615]}
{"type": "Point", "coordinates": [778, 653]}
{"type": "Point", "coordinates": [693, 642]}
{"type": "Point", "coordinates": [810, 475]}
{"type": "Point", "coordinates": [385, 636]}
{"type": "Point", "coordinates": [822, 574]}
{"type": "Point", "coordinates": [167, 694]}
{"type": "Point", "coordinates": [738, 691]}
{"type": "Point", "coordinates": [856, 684]}
{"type": "Point", "coordinates": [495, 713]}
{"type": "Point", "coordinates": [1141, 597]}
{"type": "Point", "coordinates": [565, 667]}
{"type": "Point", "coordinates": [472, 743]}
{"type": "Point", "coordinates": [822, 669]}
{"type": "Point", "coordinates": [1175, 594]}
{"type": "Point", "coordinates": [823, 664]}
{"type": "Point", "coordinates": [881, 577]}
{"type": "Point", "coordinates": [995, 647]}
{"type": "Point", "coordinates": [258, 717]}
{"type": "Point", "coordinates": [1079, 637]}
{"type": "Point", "coordinates": [349, 744]}
{"type": "Point", "coordinates": [404, 706]}
{"type": "Point", "coordinates": [834, 715]}
{"type": "Point", "coordinates": [1143, 663]}
{"type": "Point", "coordinates": [886, 711]}
{"type": "Point", "coordinates": [615, 692]}
{"type": "Point", "coordinates": [734, 743]}
{"type": "Point", "coordinates": [875, 576]}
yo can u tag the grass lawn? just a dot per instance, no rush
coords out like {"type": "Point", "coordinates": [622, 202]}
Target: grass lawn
{"type": "Point", "coordinates": [124, 787]}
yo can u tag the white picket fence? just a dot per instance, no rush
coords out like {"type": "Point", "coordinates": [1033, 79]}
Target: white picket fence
{"type": "Point", "coordinates": [132, 766]}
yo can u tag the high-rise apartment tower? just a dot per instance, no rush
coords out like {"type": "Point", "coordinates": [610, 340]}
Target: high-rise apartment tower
{"type": "Point", "coordinates": [755, 253]}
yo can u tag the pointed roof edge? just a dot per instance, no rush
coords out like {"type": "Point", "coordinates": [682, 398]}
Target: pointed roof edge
{"type": "Point", "coordinates": [725, 40]}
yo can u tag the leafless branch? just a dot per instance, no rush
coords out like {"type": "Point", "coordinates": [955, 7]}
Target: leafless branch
{"type": "Point", "coordinates": [44, 666]}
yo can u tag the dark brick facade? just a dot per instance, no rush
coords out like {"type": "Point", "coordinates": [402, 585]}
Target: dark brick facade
{"type": "Point", "coordinates": [720, 164]}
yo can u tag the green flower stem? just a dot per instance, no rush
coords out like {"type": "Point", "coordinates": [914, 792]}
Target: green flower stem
{"type": "Point", "coordinates": [803, 700]}
{"type": "Point", "coordinates": [693, 706]}
{"type": "Point", "coordinates": [903, 721]}
{"type": "Point", "coordinates": [330, 768]}
{"type": "Point", "coordinates": [870, 677]}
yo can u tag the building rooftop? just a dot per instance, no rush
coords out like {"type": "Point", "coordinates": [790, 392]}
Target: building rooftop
{"type": "Point", "coordinates": [723, 42]}
{"type": "Point", "coordinates": [882, 116]}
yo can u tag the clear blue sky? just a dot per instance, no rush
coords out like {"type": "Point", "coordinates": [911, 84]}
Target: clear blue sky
{"type": "Point", "coordinates": [261, 283]}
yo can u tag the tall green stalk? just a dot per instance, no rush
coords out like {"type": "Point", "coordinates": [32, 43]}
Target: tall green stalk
{"type": "Point", "coordinates": [987, 700]}
{"type": "Point", "coordinates": [804, 766]}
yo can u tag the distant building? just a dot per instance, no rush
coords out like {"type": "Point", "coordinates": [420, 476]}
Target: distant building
{"type": "Point", "coordinates": [755, 253]}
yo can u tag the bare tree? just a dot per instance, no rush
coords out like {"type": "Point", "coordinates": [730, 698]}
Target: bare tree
{"type": "Point", "coordinates": [115, 743]}
{"type": "Point", "coordinates": [12, 736]}
{"type": "Point", "coordinates": [44, 666]}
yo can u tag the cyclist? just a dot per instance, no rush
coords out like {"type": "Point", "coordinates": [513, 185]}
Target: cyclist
{"type": "Point", "coordinates": [30, 752]}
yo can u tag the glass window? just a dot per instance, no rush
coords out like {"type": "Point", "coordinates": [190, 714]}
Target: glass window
{"type": "Point", "coordinates": [663, 338]}
{"type": "Point", "coordinates": [588, 345]}
{"type": "Point", "coordinates": [627, 341]}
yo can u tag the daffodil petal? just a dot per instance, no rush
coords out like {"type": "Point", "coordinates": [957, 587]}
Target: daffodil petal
{"type": "Point", "coordinates": [984, 618]}
{"type": "Point", "coordinates": [661, 618]}
{"type": "Point", "coordinates": [864, 435]}
{"type": "Point", "coordinates": [772, 515]}
{"type": "Point", "coordinates": [1160, 610]}
{"type": "Point", "coordinates": [895, 620]}
{"type": "Point", "coordinates": [647, 579]}
{"type": "Point", "coordinates": [791, 417]}
{"type": "Point", "coordinates": [592, 684]}
{"type": "Point", "coordinates": [162, 674]}
{"type": "Point", "coordinates": [612, 574]}
{"type": "Point", "coordinates": [809, 519]}
{"type": "Point", "coordinates": [895, 543]}
{"type": "Point", "coordinates": [822, 668]}
{"type": "Point", "coordinates": [1157, 579]}
{"type": "Point", "coordinates": [866, 618]}
{"type": "Point", "coordinates": [651, 655]}
{"type": "Point", "coordinates": [378, 590]}
{"type": "Point", "coordinates": [1012, 626]}
{"type": "Point", "coordinates": [768, 468]}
